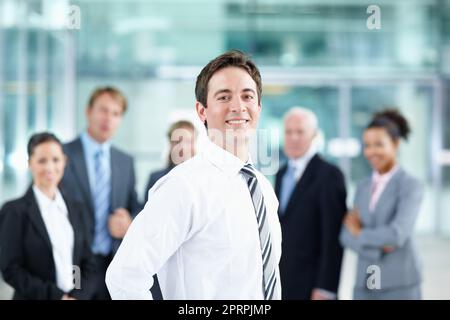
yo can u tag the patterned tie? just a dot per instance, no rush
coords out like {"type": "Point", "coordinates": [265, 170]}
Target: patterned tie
{"type": "Point", "coordinates": [102, 193]}
{"type": "Point", "coordinates": [268, 256]}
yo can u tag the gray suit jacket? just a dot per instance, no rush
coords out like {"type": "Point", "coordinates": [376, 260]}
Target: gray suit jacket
{"type": "Point", "coordinates": [391, 224]}
{"type": "Point", "coordinates": [76, 183]}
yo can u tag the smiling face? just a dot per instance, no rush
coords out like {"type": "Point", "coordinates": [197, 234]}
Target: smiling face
{"type": "Point", "coordinates": [47, 164]}
{"type": "Point", "coordinates": [232, 109]}
{"type": "Point", "coordinates": [380, 149]}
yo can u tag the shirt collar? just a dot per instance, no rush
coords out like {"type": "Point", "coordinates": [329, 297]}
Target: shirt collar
{"type": "Point", "coordinates": [298, 163]}
{"type": "Point", "coordinates": [44, 201]}
{"type": "Point", "coordinates": [385, 176]}
{"type": "Point", "coordinates": [222, 159]}
{"type": "Point", "coordinates": [93, 146]}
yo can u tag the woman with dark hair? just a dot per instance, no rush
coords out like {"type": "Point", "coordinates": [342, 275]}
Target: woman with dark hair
{"type": "Point", "coordinates": [380, 226]}
{"type": "Point", "coordinates": [44, 252]}
{"type": "Point", "coordinates": [181, 136]}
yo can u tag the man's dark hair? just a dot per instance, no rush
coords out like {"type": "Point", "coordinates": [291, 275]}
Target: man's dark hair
{"type": "Point", "coordinates": [39, 138]}
{"type": "Point", "coordinates": [232, 58]}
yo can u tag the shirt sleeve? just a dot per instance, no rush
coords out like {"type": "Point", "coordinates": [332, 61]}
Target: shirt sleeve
{"type": "Point", "coordinates": [350, 241]}
{"type": "Point", "coordinates": [167, 220]}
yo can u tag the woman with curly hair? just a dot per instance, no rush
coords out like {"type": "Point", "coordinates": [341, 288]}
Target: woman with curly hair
{"type": "Point", "coordinates": [380, 226]}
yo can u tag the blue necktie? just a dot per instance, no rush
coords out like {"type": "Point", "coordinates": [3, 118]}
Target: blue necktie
{"type": "Point", "coordinates": [102, 204]}
{"type": "Point", "coordinates": [288, 183]}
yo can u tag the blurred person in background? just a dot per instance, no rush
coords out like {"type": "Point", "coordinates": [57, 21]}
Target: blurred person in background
{"type": "Point", "coordinates": [182, 139]}
{"type": "Point", "coordinates": [312, 199]}
{"type": "Point", "coordinates": [102, 177]}
{"type": "Point", "coordinates": [380, 226]}
{"type": "Point", "coordinates": [43, 235]}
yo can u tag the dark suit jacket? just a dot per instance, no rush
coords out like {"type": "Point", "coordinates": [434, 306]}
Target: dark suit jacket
{"type": "Point", "coordinates": [155, 176]}
{"type": "Point", "coordinates": [26, 257]}
{"type": "Point", "coordinates": [76, 183]}
{"type": "Point", "coordinates": [310, 229]}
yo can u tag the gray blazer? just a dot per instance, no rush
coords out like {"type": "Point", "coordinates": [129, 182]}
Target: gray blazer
{"type": "Point", "coordinates": [76, 183]}
{"type": "Point", "coordinates": [391, 224]}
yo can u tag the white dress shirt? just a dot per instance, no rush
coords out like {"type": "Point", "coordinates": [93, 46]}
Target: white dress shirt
{"type": "Point", "coordinates": [55, 215]}
{"type": "Point", "coordinates": [199, 233]}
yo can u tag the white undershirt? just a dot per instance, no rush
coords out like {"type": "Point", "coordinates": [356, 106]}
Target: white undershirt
{"type": "Point", "coordinates": [55, 215]}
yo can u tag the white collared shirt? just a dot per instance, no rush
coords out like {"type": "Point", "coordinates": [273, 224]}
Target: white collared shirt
{"type": "Point", "coordinates": [55, 215]}
{"type": "Point", "coordinates": [300, 164]}
{"type": "Point", "coordinates": [379, 183]}
{"type": "Point", "coordinates": [199, 233]}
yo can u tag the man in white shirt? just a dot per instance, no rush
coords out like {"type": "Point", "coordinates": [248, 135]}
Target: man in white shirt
{"type": "Point", "coordinates": [210, 229]}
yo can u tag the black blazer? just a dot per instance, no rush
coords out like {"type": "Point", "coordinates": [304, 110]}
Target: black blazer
{"type": "Point", "coordinates": [310, 230]}
{"type": "Point", "coordinates": [76, 183]}
{"type": "Point", "coordinates": [26, 257]}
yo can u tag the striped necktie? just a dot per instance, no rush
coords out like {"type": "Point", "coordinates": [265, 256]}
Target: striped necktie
{"type": "Point", "coordinates": [268, 256]}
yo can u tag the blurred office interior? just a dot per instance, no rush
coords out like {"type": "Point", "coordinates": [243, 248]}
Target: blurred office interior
{"type": "Point", "coordinates": [320, 54]}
